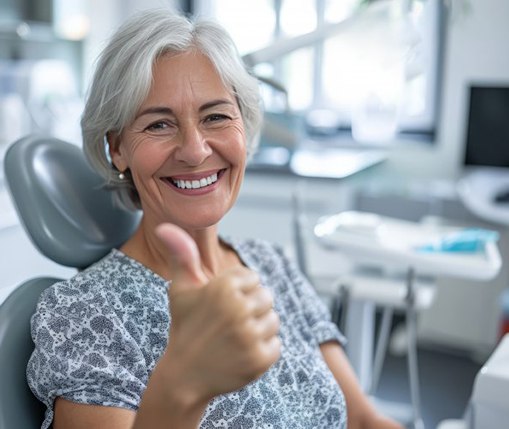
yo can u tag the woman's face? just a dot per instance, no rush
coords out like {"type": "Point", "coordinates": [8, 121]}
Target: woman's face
{"type": "Point", "coordinates": [186, 148]}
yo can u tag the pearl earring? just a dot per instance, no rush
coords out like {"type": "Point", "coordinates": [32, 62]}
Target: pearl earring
{"type": "Point", "coordinates": [121, 176]}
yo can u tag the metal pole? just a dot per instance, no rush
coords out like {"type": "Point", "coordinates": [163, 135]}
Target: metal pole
{"type": "Point", "coordinates": [413, 369]}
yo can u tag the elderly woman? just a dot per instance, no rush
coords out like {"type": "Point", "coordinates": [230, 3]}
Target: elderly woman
{"type": "Point", "coordinates": [179, 327]}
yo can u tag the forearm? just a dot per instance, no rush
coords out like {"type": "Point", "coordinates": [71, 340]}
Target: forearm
{"type": "Point", "coordinates": [361, 412]}
{"type": "Point", "coordinates": [169, 403]}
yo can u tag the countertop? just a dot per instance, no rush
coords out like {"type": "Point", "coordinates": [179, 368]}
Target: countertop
{"type": "Point", "coordinates": [333, 158]}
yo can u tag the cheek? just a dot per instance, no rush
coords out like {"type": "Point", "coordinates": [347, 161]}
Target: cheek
{"type": "Point", "coordinates": [236, 156]}
{"type": "Point", "coordinates": [237, 146]}
{"type": "Point", "coordinates": [146, 156]}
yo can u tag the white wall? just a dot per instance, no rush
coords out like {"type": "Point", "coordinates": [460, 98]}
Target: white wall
{"type": "Point", "coordinates": [20, 261]}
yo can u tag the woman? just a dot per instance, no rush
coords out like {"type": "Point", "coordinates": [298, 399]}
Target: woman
{"type": "Point", "coordinates": [179, 327]}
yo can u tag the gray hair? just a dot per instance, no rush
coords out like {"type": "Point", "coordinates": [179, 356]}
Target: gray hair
{"type": "Point", "coordinates": [123, 78]}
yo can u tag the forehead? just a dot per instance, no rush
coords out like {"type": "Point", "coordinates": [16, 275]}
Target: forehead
{"type": "Point", "coordinates": [178, 77]}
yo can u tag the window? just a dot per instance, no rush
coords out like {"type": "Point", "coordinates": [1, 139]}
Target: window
{"type": "Point", "coordinates": [357, 57]}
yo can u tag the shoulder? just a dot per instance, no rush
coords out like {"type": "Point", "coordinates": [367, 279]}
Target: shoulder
{"type": "Point", "coordinates": [112, 274]}
{"type": "Point", "coordinates": [99, 334]}
{"type": "Point", "coordinates": [76, 299]}
{"type": "Point", "coordinates": [262, 252]}
{"type": "Point", "coordinates": [264, 256]}
{"type": "Point", "coordinates": [106, 287]}
{"type": "Point", "coordinates": [256, 245]}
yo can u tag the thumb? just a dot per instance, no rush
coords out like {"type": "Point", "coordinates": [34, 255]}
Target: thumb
{"type": "Point", "coordinates": [184, 257]}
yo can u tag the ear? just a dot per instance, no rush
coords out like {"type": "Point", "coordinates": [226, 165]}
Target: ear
{"type": "Point", "coordinates": [116, 151]}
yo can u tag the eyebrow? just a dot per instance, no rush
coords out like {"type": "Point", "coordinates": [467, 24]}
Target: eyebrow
{"type": "Point", "coordinates": [167, 111]}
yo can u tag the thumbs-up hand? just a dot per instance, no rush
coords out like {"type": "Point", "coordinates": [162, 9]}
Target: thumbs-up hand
{"type": "Point", "coordinates": [184, 258]}
{"type": "Point", "coordinates": [223, 332]}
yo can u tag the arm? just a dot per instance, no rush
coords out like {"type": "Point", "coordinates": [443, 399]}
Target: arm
{"type": "Point", "coordinates": [159, 408]}
{"type": "Point", "coordinates": [166, 403]}
{"type": "Point", "coordinates": [223, 335]}
{"type": "Point", "coordinates": [361, 412]}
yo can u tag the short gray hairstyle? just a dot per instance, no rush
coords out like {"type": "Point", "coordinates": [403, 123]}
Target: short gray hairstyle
{"type": "Point", "coordinates": [123, 78]}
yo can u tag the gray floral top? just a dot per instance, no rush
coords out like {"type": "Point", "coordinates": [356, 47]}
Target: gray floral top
{"type": "Point", "coordinates": [99, 335]}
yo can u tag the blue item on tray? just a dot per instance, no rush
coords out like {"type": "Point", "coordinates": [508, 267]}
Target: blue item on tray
{"type": "Point", "coordinates": [466, 240]}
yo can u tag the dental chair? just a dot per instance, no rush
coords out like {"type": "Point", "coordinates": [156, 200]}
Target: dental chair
{"type": "Point", "coordinates": [71, 218]}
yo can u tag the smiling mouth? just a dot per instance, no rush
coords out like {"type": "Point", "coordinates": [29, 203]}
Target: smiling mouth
{"type": "Point", "coordinates": [196, 183]}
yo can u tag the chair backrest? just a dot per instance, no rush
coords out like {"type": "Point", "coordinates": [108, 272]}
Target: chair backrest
{"type": "Point", "coordinates": [18, 406]}
{"type": "Point", "coordinates": [72, 219]}
{"type": "Point", "coordinates": [62, 203]}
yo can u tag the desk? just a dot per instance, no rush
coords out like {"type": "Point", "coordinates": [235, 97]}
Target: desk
{"type": "Point", "coordinates": [318, 160]}
{"type": "Point", "coordinates": [392, 243]}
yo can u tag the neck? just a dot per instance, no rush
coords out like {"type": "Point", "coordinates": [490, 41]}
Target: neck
{"type": "Point", "coordinates": [147, 249]}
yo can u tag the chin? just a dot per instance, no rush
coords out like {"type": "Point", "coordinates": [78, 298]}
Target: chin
{"type": "Point", "coordinates": [200, 223]}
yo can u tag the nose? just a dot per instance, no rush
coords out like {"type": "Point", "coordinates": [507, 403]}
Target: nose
{"type": "Point", "coordinates": [193, 148]}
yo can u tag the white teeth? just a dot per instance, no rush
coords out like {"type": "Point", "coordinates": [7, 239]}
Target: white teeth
{"type": "Point", "coordinates": [195, 184]}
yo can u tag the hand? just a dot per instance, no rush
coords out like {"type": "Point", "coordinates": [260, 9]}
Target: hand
{"type": "Point", "coordinates": [223, 332]}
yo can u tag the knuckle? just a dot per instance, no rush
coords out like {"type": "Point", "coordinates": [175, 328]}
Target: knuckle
{"type": "Point", "coordinates": [258, 359]}
{"type": "Point", "coordinates": [275, 322]}
{"type": "Point", "coordinates": [266, 297]}
{"type": "Point", "coordinates": [270, 352]}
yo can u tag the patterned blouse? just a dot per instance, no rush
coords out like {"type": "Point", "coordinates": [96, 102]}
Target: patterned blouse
{"type": "Point", "coordinates": [99, 335]}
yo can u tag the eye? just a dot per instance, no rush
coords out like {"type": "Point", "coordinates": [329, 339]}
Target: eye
{"type": "Point", "coordinates": [159, 126]}
{"type": "Point", "coordinates": [216, 117]}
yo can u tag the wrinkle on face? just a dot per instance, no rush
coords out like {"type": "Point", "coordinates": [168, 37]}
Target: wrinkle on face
{"type": "Point", "coordinates": [186, 93]}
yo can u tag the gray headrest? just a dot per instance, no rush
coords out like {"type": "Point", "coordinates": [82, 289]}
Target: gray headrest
{"type": "Point", "coordinates": [62, 203]}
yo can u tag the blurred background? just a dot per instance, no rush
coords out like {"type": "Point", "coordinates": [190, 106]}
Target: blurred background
{"type": "Point", "coordinates": [395, 107]}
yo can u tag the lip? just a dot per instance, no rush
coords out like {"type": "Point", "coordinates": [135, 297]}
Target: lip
{"type": "Point", "coordinates": [169, 181]}
{"type": "Point", "coordinates": [195, 176]}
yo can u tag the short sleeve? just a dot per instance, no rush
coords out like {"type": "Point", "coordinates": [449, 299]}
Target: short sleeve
{"type": "Point", "coordinates": [83, 353]}
{"type": "Point", "coordinates": [315, 312]}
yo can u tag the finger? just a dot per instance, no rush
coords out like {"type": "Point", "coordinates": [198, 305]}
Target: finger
{"type": "Point", "coordinates": [272, 349]}
{"type": "Point", "coordinates": [184, 258]}
{"type": "Point", "coordinates": [246, 280]}
{"type": "Point", "coordinates": [261, 301]}
{"type": "Point", "coordinates": [268, 325]}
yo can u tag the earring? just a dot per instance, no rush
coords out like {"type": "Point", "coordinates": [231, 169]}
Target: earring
{"type": "Point", "coordinates": [121, 176]}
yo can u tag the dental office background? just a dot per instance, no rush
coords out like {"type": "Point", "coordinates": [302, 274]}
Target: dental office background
{"type": "Point", "coordinates": [387, 81]}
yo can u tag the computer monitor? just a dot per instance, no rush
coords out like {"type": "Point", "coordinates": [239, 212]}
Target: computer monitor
{"type": "Point", "coordinates": [487, 138]}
